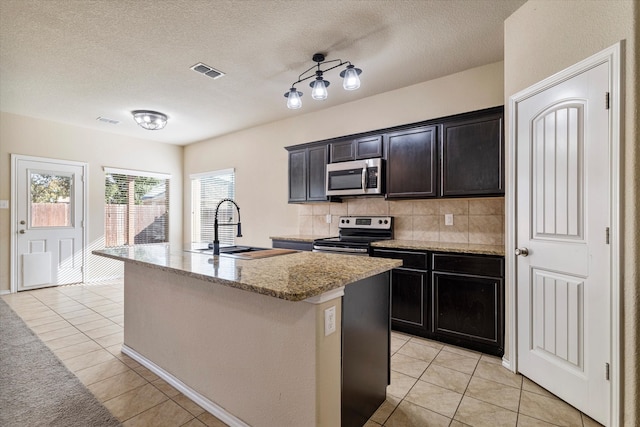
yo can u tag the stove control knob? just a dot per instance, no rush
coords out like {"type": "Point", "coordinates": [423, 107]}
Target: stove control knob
{"type": "Point", "coordinates": [379, 221]}
{"type": "Point", "coordinates": [386, 221]}
{"type": "Point", "coordinates": [348, 221]}
{"type": "Point", "coordinates": [342, 221]}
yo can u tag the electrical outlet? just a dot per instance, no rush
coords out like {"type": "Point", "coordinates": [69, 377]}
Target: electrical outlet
{"type": "Point", "coordinates": [448, 219]}
{"type": "Point", "coordinates": [327, 218]}
{"type": "Point", "coordinates": [4, 204]}
{"type": "Point", "coordinates": [329, 320]}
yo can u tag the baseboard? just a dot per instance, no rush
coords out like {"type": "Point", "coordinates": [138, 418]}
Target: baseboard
{"type": "Point", "coordinates": [5, 292]}
{"type": "Point", "coordinates": [205, 403]}
{"type": "Point", "coordinates": [507, 364]}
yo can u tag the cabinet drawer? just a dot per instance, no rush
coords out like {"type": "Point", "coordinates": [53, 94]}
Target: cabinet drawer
{"type": "Point", "coordinates": [417, 260]}
{"type": "Point", "coordinates": [469, 264]}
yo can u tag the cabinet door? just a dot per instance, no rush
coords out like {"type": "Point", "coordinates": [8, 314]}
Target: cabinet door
{"type": "Point", "coordinates": [473, 156]}
{"type": "Point", "coordinates": [317, 157]}
{"type": "Point", "coordinates": [342, 151]}
{"type": "Point", "coordinates": [412, 164]}
{"type": "Point", "coordinates": [298, 175]}
{"type": "Point", "coordinates": [369, 147]}
{"type": "Point", "coordinates": [468, 311]}
{"type": "Point", "coordinates": [410, 297]}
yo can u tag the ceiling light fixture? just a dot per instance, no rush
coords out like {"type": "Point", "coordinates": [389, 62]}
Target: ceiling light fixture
{"type": "Point", "coordinates": [150, 120]}
{"type": "Point", "coordinates": [319, 85]}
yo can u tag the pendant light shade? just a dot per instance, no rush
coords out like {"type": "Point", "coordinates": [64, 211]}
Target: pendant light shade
{"type": "Point", "coordinates": [150, 120]}
{"type": "Point", "coordinates": [351, 80]}
{"type": "Point", "coordinates": [319, 91]}
{"type": "Point", "coordinates": [294, 99]}
{"type": "Point", "coordinates": [350, 75]}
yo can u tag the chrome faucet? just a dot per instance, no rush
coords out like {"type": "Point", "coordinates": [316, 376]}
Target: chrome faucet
{"type": "Point", "coordinates": [216, 242]}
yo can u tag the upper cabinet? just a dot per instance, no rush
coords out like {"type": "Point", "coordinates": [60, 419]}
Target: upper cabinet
{"type": "Point", "coordinates": [464, 159]}
{"type": "Point", "coordinates": [412, 163]}
{"type": "Point", "coordinates": [455, 156]}
{"type": "Point", "coordinates": [472, 155]}
{"type": "Point", "coordinates": [307, 170]}
{"type": "Point", "coordinates": [368, 147]}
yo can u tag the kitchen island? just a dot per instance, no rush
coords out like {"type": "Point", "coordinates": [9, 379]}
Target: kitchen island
{"type": "Point", "coordinates": [251, 341]}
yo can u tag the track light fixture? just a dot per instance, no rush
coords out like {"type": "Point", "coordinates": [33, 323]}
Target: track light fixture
{"type": "Point", "coordinates": [150, 120]}
{"type": "Point", "coordinates": [351, 81]}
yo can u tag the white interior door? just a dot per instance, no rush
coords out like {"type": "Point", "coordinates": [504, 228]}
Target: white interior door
{"type": "Point", "coordinates": [562, 211]}
{"type": "Point", "coordinates": [49, 215]}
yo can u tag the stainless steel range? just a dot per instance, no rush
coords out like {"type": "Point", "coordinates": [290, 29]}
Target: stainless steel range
{"type": "Point", "coordinates": [356, 234]}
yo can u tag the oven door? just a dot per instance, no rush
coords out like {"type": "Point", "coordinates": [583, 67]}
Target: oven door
{"type": "Point", "coordinates": [346, 179]}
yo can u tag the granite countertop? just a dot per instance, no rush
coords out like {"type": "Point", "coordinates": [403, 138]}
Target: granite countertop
{"type": "Point", "coordinates": [294, 277]}
{"type": "Point", "coordinates": [464, 248]}
{"type": "Point", "coordinates": [299, 237]}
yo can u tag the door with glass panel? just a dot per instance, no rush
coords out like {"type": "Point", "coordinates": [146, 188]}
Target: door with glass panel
{"type": "Point", "coordinates": [48, 208]}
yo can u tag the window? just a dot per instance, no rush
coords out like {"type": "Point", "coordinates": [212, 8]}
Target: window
{"type": "Point", "coordinates": [50, 199]}
{"type": "Point", "coordinates": [207, 190]}
{"type": "Point", "coordinates": [136, 207]}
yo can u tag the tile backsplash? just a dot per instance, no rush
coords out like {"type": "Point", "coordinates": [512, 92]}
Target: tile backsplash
{"type": "Point", "coordinates": [479, 221]}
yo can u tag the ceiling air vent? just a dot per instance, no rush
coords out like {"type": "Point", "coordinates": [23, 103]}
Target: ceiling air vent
{"type": "Point", "coordinates": [207, 71]}
{"type": "Point", "coordinates": [106, 120]}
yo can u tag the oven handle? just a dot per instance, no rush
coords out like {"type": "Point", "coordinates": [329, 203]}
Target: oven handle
{"type": "Point", "coordinates": [336, 249]}
{"type": "Point", "coordinates": [364, 178]}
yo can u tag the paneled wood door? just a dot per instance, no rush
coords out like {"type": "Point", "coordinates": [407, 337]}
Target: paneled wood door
{"type": "Point", "coordinates": [563, 215]}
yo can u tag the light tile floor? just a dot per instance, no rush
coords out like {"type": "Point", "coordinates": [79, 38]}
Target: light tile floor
{"type": "Point", "coordinates": [432, 384]}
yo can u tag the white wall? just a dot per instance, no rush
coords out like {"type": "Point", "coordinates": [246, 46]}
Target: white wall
{"type": "Point", "coordinates": [260, 160]}
{"type": "Point", "coordinates": [42, 138]}
{"type": "Point", "coordinates": [544, 37]}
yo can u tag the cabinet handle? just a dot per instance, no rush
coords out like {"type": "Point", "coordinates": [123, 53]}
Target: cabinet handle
{"type": "Point", "coordinates": [522, 252]}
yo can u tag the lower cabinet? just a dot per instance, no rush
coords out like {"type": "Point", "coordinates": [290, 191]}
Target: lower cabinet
{"type": "Point", "coordinates": [453, 298]}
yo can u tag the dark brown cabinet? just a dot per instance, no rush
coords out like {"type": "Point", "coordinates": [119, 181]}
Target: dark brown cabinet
{"type": "Point", "coordinates": [410, 291]}
{"type": "Point", "coordinates": [367, 147]}
{"type": "Point", "coordinates": [453, 298]}
{"type": "Point", "coordinates": [468, 301]}
{"type": "Point", "coordinates": [307, 170]}
{"type": "Point", "coordinates": [472, 155]}
{"type": "Point", "coordinates": [412, 163]}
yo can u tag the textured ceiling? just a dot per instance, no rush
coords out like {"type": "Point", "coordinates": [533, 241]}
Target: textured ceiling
{"type": "Point", "coordinates": [71, 61]}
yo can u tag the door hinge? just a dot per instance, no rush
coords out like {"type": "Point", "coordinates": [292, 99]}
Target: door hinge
{"type": "Point", "coordinates": [606, 100]}
{"type": "Point", "coordinates": [607, 235]}
{"type": "Point", "coordinates": [606, 371]}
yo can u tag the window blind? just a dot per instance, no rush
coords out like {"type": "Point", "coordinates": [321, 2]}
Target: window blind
{"type": "Point", "coordinates": [136, 207]}
{"type": "Point", "coordinates": [207, 190]}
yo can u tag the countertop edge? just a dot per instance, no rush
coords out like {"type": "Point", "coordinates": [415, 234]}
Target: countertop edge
{"type": "Point", "coordinates": [288, 296]}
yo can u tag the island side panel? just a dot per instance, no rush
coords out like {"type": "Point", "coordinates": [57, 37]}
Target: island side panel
{"type": "Point", "coordinates": [254, 355]}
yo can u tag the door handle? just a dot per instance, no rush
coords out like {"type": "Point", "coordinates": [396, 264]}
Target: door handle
{"type": "Point", "coordinates": [522, 252]}
{"type": "Point", "coordinates": [21, 231]}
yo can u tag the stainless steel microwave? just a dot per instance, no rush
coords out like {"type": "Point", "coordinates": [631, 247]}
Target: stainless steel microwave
{"type": "Point", "coordinates": [359, 177]}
